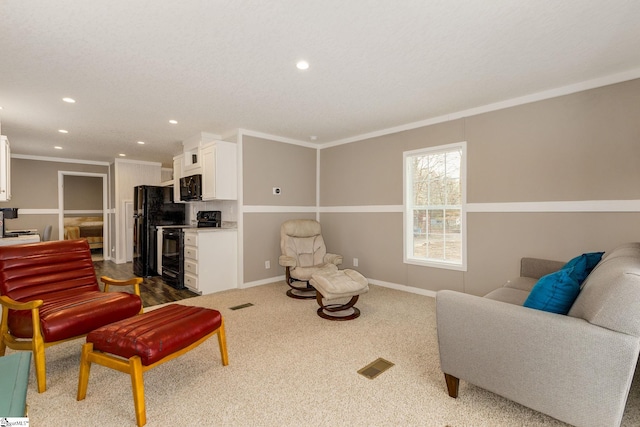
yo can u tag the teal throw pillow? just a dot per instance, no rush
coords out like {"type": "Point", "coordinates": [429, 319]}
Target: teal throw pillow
{"type": "Point", "coordinates": [583, 265]}
{"type": "Point", "coordinates": [554, 292]}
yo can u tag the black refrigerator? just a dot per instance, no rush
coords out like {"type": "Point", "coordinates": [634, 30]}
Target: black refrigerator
{"type": "Point", "coordinates": [152, 206]}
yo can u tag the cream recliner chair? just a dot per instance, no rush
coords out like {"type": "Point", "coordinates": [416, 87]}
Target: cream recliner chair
{"type": "Point", "coordinates": [304, 254]}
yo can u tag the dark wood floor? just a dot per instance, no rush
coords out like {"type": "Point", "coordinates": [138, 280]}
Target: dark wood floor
{"type": "Point", "coordinates": [152, 290]}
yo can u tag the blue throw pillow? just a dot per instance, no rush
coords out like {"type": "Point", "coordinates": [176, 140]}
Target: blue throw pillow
{"type": "Point", "coordinates": [554, 292]}
{"type": "Point", "coordinates": [583, 265]}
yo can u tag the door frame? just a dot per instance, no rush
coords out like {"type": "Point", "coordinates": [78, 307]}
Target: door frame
{"type": "Point", "coordinates": [105, 211]}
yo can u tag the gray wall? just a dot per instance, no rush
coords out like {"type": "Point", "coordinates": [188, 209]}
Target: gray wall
{"type": "Point", "coordinates": [262, 243]}
{"type": "Point", "coordinates": [584, 146]}
{"type": "Point", "coordinates": [268, 164]}
{"type": "Point", "coordinates": [369, 172]}
{"type": "Point", "coordinates": [82, 193]}
{"type": "Point", "coordinates": [34, 185]}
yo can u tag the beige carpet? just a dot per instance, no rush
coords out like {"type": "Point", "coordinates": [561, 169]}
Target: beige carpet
{"type": "Point", "coordinates": [289, 367]}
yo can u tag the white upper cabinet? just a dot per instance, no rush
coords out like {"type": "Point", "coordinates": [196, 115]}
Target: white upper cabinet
{"type": "Point", "coordinates": [177, 174]}
{"type": "Point", "coordinates": [5, 169]}
{"type": "Point", "coordinates": [219, 171]}
{"type": "Point", "coordinates": [192, 162]}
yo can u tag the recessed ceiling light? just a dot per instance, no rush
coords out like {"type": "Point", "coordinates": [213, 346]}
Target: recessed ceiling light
{"type": "Point", "coordinates": [122, 155]}
{"type": "Point", "coordinates": [173, 122]}
{"type": "Point", "coordinates": [63, 131]}
{"type": "Point", "coordinates": [302, 65]}
{"type": "Point", "coordinates": [57, 147]}
{"type": "Point", "coordinates": [69, 100]}
{"type": "Point", "coordinates": [313, 137]}
{"type": "Point", "coordinates": [141, 142]}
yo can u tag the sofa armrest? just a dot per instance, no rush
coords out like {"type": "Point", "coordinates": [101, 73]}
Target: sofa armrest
{"type": "Point", "coordinates": [537, 267]}
{"type": "Point", "coordinates": [333, 259]}
{"type": "Point", "coordinates": [555, 364]}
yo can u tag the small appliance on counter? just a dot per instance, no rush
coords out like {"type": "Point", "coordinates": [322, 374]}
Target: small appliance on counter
{"type": "Point", "coordinates": [209, 219]}
{"type": "Point", "coordinates": [7, 213]}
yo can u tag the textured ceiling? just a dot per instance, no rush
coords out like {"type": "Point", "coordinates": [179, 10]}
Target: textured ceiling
{"type": "Point", "coordinates": [216, 66]}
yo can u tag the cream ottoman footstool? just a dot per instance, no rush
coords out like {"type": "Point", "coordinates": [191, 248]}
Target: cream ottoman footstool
{"type": "Point", "coordinates": [337, 285]}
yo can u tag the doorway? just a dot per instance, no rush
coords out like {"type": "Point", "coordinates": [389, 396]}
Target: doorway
{"type": "Point", "coordinates": [82, 210]}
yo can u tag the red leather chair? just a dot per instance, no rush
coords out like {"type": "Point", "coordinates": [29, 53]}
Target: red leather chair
{"type": "Point", "coordinates": [50, 294]}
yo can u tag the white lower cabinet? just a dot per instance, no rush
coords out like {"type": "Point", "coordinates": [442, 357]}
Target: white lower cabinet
{"type": "Point", "coordinates": [210, 260]}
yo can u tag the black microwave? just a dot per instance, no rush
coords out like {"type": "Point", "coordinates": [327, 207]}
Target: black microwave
{"type": "Point", "coordinates": [191, 188]}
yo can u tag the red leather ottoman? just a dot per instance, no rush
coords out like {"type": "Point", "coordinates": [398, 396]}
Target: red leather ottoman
{"type": "Point", "coordinates": [140, 343]}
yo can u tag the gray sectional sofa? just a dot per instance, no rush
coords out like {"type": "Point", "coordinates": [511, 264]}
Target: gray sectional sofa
{"type": "Point", "coordinates": [576, 368]}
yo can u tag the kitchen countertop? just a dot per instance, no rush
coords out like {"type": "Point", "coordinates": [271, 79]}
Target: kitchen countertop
{"type": "Point", "coordinates": [226, 226]}
{"type": "Point", "coordinates": [19, 240]}
{"type": "Point", "coordinates": [209, 229]}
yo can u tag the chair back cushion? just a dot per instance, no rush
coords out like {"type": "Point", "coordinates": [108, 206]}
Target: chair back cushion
{"type": "Point", "coordinates": [302, 240]}
{"type": "Point", "coordinates": [61, 274]}
{"type": "Point", "coordinates": [28, 271]}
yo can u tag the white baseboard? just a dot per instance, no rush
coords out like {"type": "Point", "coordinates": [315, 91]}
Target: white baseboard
{"type": "Point", "coordinates": [390, 285]}
{"type": "Point", "coordinates": [262, 282]}
{"type": "Point", "coordinates": [404, 288]}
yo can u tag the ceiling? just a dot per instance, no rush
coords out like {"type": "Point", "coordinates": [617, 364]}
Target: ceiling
{"type": "Point", "coordinates": [216, 66]}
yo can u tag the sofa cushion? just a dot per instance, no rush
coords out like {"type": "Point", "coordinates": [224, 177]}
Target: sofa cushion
{"type": "Point", "coordinates": [71, 313]}
{"type": "Point", "coordinates": [522, 283]}
{"type": "Point", "coordinates": [305, 273]}
{"type": "Point", "coordinates": [157, 333]}
{"type": "Point", "coordinates": [27, 272]}
{"type": "Point", "coordinates": [508, 294]}
{"type": "Point", "coordinates": [583, 265]}
{"type": "Point", "coordinates": [554, 292]}
{"type": "Point", "coordinates": [610, 296]}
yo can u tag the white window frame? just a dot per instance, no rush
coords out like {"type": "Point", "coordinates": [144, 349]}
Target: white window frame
{"type": "Point", "coordinates": [408, 210]}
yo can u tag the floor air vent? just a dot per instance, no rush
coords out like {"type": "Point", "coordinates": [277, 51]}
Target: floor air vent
{"type": "Point", "coordinates": [238, 307]}
{"type": "Point", "coordinates": [375, 368]}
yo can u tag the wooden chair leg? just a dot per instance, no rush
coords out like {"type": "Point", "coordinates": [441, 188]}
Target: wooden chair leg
{"type": "Point", "coordinates": [452, 385]}
{"type": "Point", "coordinates": [4, 330]}
{"type": "Point", "coordinates": [137, 384]}
{"type": "Point", "coordinates": [85, 368]}
{"type": "Point", "coordinates": [222, 341]}
{"type": "Point", "coordinates": [40, 363]}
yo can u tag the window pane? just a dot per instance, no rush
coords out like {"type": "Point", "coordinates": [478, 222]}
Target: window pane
{"type": "Point", "coordinates": [453, 238]}
{"type": "Point", "coordinates": [419, 233]}
{"type": "Point", "coordinates": [453, 248]}
{"type": "Point", "coordinates": [420, 185]}
{"type": "Point", "coordinates": [435, 238]}
{"type": "Point", "coordinates": [434, 201]}
{"type": "Point", "coordinates": [453, 221]}
{"type": "Point", "coordinates": [453, 178]}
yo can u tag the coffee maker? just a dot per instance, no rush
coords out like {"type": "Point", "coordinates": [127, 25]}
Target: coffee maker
{"type": "Point", "coordinates": [6, 213]}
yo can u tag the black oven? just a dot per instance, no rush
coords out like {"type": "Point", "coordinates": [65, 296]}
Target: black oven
{"type": "Point", "coordinates": [172, 257]}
